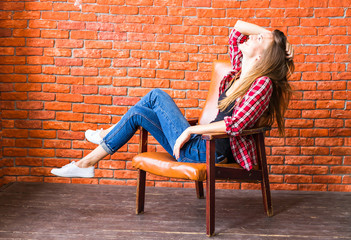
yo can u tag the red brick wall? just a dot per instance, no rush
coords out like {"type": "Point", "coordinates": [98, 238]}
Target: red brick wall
{"type": "Point", "coordinates": [65, 70]}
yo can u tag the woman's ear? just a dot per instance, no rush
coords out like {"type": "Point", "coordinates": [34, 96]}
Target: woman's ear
{"type": "Point", "coordinates": [257, 58]}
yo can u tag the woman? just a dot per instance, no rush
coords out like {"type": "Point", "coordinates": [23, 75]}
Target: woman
{"type": "Point", "coordinates": [255, 92]}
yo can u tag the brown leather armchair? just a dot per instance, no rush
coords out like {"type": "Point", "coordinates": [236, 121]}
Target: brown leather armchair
{"type": "Point", "coordinates": [163, 164]}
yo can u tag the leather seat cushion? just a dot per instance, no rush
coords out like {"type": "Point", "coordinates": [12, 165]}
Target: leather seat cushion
{"type": "Point", "coordinates": [163, 164]}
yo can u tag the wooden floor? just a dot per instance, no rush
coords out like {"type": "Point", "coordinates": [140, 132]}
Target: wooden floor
{"type": "Point", "coordinates": [68, 211]}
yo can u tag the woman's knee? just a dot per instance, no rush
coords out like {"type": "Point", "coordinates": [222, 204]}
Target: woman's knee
{"type": "Point", "coordinates": [159, 93]}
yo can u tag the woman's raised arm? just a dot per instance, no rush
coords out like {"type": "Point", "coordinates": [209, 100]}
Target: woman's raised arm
{"type": "Point", "coordinates": [249, 28]}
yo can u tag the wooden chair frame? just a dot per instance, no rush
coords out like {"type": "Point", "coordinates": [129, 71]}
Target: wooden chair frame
{"type": "Point", "coordinates": [215, 172]}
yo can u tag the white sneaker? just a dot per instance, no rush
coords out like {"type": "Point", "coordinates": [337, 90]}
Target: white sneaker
{"type": "Point", "coordinates": [93, 136]}
{"type": "Point", "coordinates": [72, 170]}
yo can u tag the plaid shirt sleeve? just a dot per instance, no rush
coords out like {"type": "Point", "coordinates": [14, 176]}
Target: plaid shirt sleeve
{"type": "Point", "coordinates": [236, 38]}
{"type": "Point", "coordinates": [236, 56]}
{"type": "Point", "coordinates": [251, 107]}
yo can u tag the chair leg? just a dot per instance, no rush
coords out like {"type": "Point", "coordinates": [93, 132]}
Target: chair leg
{"type": "Point", "coordinates": [140, 194]}
{"type": "Point", "coordinates": [266, 194]}
{"type": "Point", "coordinates": [199, 189]}
{"type": "Point", "coordinates": [210, 188]}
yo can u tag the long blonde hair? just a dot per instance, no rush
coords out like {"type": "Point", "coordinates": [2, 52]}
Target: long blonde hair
{"type": "Point", "coordinates": [273, 64]}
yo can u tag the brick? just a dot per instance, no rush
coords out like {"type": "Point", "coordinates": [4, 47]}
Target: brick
{"type": "Point", "coordinates": [69, 80]}
{"type": "Point", "coordinates": [54, 52]}
{"type": "Point", "coordinates": [133, 82]}
{"type": "Point", "coordinates": [339, 3]}
{"type": "Point", "coordinates": [12, 6]}
{"type": "Point", "coordinates": [313, 3]}
{"type": "Point", "coordinates": [314, 169]}
{"type": "Point", "coordinates": [115, 110]}
{"type": "Point", "coordinates": [170, 74]}
{"type": "Point", "coordinates": [56, 88]}
{"type": "Point", "coordinates": [126, 62]}
{"type": "Point", "coordinates": [55, 125]}
{"type": "Point", "coordinates": [340, 132]}
{"type": "Point", "coordinates": [115, 54]}
{"type": "Point", "coordinates": [181, 11]}
{"type": "Point", "coordinates": [113, 91]}
{"type": "Point", "coordinates": [14, 114]}
{"type": "Point", "coordinates": [327, 179]}
{"type": "Point", "coordinates": [313, 187]}
{"type": "Point", "coordinates": [41, 96]}
{"type": "Point", "coordinates": [29, 179]}
{"type": "Point", "coordinates": [28, 69]}
{"type": "Point", "coordinates": [15, 133]}
{"type": "Point", "coordinates": [27, 87]}
{"type": "Point", "coordinates": [170, 38]}
{"type": "Point", "coordinates": [28, 143]}
{"type": "Point", "coordinates": [30, 105]}
{"type": "Point", "coordinates": [84, 71]}
{"type": "Point", "coordinates": [69, 97]}
{"type": "Point", "coordinates": [125, 101]}
{"type": "Point", "coordinates": [158, 64]}
{"type": "Point", "coordinates": [112, 72]}
{"type": "Point", "coordinates": [155, 83]}
{"type": "Point", "coordinates": [96, 119]}
{"type": "Point", "coordinates": [76, 117]}
{"type": "Point", "coordinates": [339, 188]}
{"type": "Point", "coordinates": [70, 135]}
{"type": "Point", "coordinates": [12, 60]}
{"type": "Point", "coordinates": [69, 43]}
{"type": "Point", "coordinates": [314, 132]}
{"type": "Point", "coordinates": [314, 150]}
{"type": "Point", "coordinates": [85, 108]}
{"type": "Point", "coordinates": [16, 171]}
{"type": "Point", "coordinates": [13, 24]}
{"type": "Point", "coordinates": [12, 42]}
{"type": "Point", "coordinates": [26, 33]}
{"type": "Point", "coordinates": [298, 160]}
{"type": "Point", "coordinates": [197, 76]}
{"type": "Point", "coordinates": [298, 179]}
{"type": "Point", "coordinates": [58, 106]}
{"type": "Point", "coordinates": [85, 89]}
{"type": "Point", "coordinates": [328, 123]}
{"type": "Point", "coordinates": [56, 70]}
{"type": "Point", "coordinates": [340, 151]}
{"type": "Point", "coordinates": [68, 153]}
{"type": "Point", "coordinates": [98, 81]}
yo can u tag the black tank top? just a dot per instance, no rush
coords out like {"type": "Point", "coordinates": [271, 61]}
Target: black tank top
{"type": "Point", "coordinates": [223, 145]}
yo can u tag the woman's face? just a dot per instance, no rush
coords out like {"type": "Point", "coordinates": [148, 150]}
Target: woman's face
{"type": "Point", "coordinates": [256, 44]}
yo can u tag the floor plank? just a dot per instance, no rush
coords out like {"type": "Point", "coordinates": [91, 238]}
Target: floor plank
{"type": "Point", "coordinates": [70, 211]}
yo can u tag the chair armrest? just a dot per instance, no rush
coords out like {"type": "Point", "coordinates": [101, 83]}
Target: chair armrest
{"type": "Point", "coordinates": [192, 121]}
{"type": "Point", "coordinates": [247, 132]}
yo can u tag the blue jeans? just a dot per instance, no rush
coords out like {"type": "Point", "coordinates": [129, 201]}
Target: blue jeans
{"type": "Point", "coordinates": [161, 117]}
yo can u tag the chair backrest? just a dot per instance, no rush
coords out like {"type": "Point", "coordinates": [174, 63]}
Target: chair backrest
{"type": "Point", "coordinates": [210, 110]}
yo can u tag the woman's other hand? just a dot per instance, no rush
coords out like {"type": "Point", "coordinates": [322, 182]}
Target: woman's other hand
{"type": "Point", "coordinates": [289, 51]}
{"type": "Point", "coordinates": [181, 140]}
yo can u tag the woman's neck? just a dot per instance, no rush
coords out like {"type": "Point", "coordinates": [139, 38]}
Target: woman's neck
{"type": "Point", "coordinates": [246, 66]}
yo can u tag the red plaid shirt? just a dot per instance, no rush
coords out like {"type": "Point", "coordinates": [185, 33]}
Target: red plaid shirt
{"type": "Point", "coordinates": [248, 111]}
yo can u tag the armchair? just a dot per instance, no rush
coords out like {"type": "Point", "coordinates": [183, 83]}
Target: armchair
{"type": "Point", "coordinates": [163, 164]}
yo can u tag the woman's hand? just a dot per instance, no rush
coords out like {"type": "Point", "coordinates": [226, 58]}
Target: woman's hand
{"type": "Point", "coordinates": [181, 140]}
{"type": "Point", "coordinates": [289, 51]}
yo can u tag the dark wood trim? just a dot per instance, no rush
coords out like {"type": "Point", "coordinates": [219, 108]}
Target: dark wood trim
{"type": "Point", "coordinates": [143, 140]}
{"type": "Point", "coordinates": [266, 193]}
{"type": "Point", "coordinates": [210, 187]}
{"type": "Point", "coordinates": [199, 189]}
{"type": "Point", "coordinates": [140, 193]}
{"type": "Point", "coordinates": [252, 131]}
{"type": "Point", "coordinates": [238, 174]}
{"type": "Point", "coordinates": [192, 121]}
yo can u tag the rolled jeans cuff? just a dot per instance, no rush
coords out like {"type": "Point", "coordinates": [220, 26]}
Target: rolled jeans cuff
{"type": "Point", "coordinates": [106, 147]}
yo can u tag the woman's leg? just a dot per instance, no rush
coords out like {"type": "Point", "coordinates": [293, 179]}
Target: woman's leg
{"type": "Point", "coordinates": [156, 112]}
